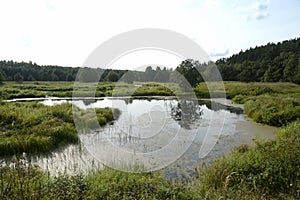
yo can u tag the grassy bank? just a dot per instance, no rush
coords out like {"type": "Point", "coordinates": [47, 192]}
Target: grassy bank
{"type": "Point", "coordinates": [270, 170]}
{"type": "Point", "coordinates": [275, 104]}
{"type": "Point", "coordinates": [11, 90]}
{"type": "Point", "coordinates": [240, 92]}
{"type": "Point", "coordinates": [34, 128]}
{"type": "Point", "coordinates": [24, 181]}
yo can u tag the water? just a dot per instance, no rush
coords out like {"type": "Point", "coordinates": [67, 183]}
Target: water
{"type": "Point", "coordinates": [171, 135]}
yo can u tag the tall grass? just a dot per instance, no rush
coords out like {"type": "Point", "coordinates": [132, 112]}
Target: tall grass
{"type": "Point", "coordinates": [21, 180]}
{"type": "Point", "coordinates": [35, 128]}
{"type": "Point", "coordinates": [273, 110]}
{"type": "Point", "coordinates": [271, 170]}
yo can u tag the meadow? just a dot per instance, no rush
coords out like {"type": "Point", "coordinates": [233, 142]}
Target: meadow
{"type": "Point", "coordinates": [269, 170]}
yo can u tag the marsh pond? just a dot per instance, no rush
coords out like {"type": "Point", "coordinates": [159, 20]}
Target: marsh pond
{"type": "Point", "coordinates": [168, 134]}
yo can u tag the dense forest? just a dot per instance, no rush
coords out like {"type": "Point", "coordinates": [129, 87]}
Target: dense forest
{"type": "Point", "coordinates": [268, 63]}
{"type": "Point", "coordinates": [23, 71]}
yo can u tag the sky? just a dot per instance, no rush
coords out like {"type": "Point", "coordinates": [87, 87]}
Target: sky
{"type": "Point", "coordinates": [65, 32]}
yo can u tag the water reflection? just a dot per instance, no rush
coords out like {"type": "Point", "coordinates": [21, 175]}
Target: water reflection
{"type": "Point", "coordinates": [146, 126]}
{"type": "Point", "coordinates": [187, 113]}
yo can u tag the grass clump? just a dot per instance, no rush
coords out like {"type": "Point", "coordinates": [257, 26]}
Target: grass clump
{"type": "Point", "coordinates": [273, 110]}
{"type": "Point", "coordinates": [35, 128]}
{"type": "Point", "coordinates": [271, 170]}
{"type": "Point", "coordinates": [21, 180]}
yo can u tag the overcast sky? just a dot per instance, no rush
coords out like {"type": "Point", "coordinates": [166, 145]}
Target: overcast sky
{"type": "Point", "coordinates": [65, 32]}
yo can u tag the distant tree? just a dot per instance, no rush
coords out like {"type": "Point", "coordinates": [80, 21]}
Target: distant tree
{"type": "Point", "coordinates": [149, 74]}
{"type": "Point", "coordinates": [18, 78]}
{"type": "Point", "coordinates": [188, 69]}
{"type": "Point", "coordinates": [161, 76]}
{"type": "Point", "coordinates": [1, 78]}
{"type": "Point", "coordinates": [31, 78]}
{"type": "Point", "coordinates": [128, 77]}
{"type": "Point", "coordinates": [112, 76]}
{"type": "Point", "coordinates": [88, 75]}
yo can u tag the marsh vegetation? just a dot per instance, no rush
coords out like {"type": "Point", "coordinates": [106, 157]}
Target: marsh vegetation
{"type": "Point", "coordinates": [269, 170]}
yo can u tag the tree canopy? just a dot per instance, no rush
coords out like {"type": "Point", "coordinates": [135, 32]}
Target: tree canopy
{"type": "Point", "coordinates": [267, 63]}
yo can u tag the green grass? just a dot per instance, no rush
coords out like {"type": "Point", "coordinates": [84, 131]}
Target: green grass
{"type": "Point", "coordinates": [239, 91]}
{"type": "Point", "coordinates": [21, 180]}
{"type": "Point", "coordinates": [271, 170]}
{"type": "Point", "coordinates": [12, 90]}
{"type": "Point", "coordinates": [273, 110]}
{"type": "Point", "coordinates": [34, 128]}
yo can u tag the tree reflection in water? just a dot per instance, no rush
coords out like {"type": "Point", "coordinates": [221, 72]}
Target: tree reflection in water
{"type": "Point", "coordinates": [187, 113]}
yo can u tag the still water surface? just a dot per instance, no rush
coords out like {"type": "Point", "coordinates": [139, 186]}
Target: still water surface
{"type": "Point", "coordinates": [166, 133]}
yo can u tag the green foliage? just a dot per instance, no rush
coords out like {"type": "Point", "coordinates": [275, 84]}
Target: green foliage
{"type": "Point", "coordinates": [270, 170]}
{"type": "Point", "coordinates": [34, 128]}
{"type": "Point", "coordinates": [92, 118]}
{"type": "Point", "coordinates": [19, 179]}
{"type": "Point", "coordinates": [189, 69]}
{"type": "Point", "coordinates": [268, 63]}
{"type": "Point", "coordinates": [153, 89]}
{"type": "Point", "coordinates": [18, 78]}
{"type": "Point", "coordinates": [1, 78]}
{"type": "Point", "coordinates": [111, 184]}
{"type": "Point", "coordinates": [273, 110]}
{"type": "Point", "coordinates": [239, 92]}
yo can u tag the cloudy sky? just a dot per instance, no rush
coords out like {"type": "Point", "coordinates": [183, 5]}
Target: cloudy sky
{"type": "Point", "coordinates": [65, 32]}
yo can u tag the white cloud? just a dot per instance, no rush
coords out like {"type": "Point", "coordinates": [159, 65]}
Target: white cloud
{"type": "Point", "coordinates": [220, 53]}
{"type": "Point", "coordinates": [258, 10]}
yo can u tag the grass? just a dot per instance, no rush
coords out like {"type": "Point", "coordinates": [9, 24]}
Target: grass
{"type": "Point", "coordinates": [271, 170]}
{"type": "Point", "coordinates": [275, 104]}
{"type": "Point", "coordinates": [12, 90]}
{"type": "Point", "coordinates": [240, 92]}
{"type": "Point", "coordinates": [21, 180]}
{"type": "Point", "coordinates": [34, 128]}
{"type": "Point", "coordinates": [273, 110]}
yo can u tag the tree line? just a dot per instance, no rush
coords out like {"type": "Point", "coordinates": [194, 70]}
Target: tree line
{"type": "Point", "coordinates": [268, 63]}
{"type": "Point", "coordinates": [29, 71]}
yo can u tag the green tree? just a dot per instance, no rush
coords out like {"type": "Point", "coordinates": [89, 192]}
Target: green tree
{"type": "Point", "coordinates": [188, 69]}
{"type": "Point", "coordinates": [18, 78]}
{"type": "Point", "coordinates": [1, 78]}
